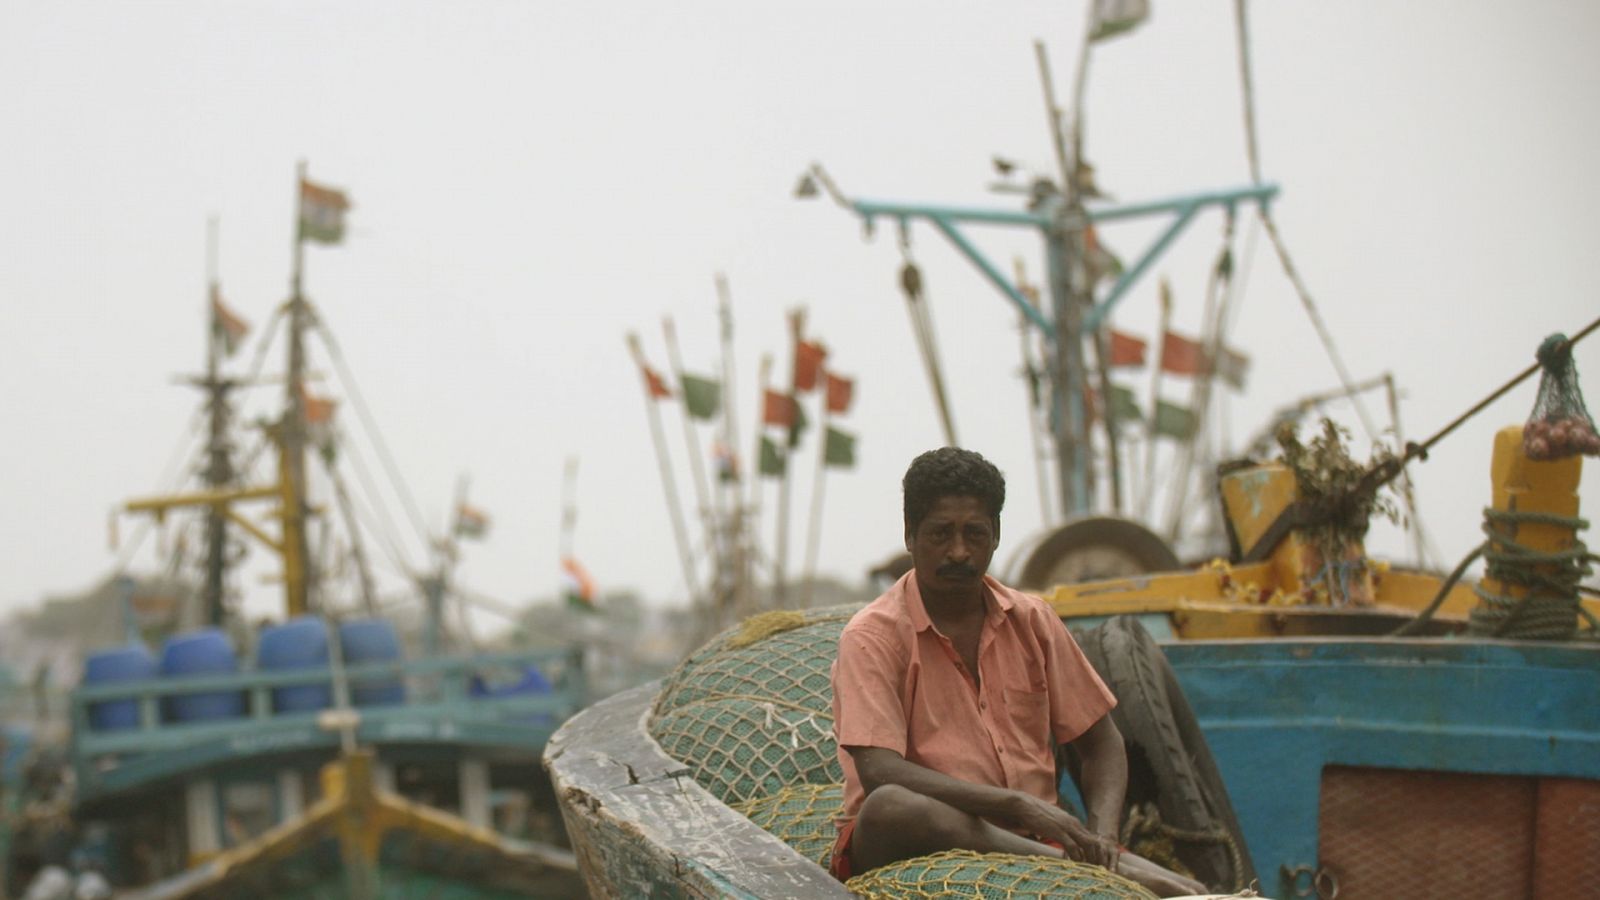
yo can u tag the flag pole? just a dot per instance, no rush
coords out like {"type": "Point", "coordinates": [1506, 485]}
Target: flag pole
{"type": "Point", "coordinates": [569, 517]}
{"type": "Point", "coordinates": [697, 466]}
{"type": "Point", "coordinates": [680, 529]}
{"type": "Point", "coordinates": [1151, 443]}
{"type": "Point", "coordinates": [1200, 391]}
{"type": "Point", "coordinates": [763, 382]}
{"type": "Point", "coordinates": [731, 512]}
{"type": "Point", "coordinates": [813, 527]}
{"type": "Point", "coordinates": [1040, 469]}
{"type": "Point", "coordinates": [780, 588]}
{"type": "Point", "coordinates": [297, 574]}
{"type": "Point", "coordinates": [219, 467]}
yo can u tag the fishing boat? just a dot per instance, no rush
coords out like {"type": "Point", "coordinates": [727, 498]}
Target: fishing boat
{"type": "Point", "coordinates": [312, 755]}
{"type": "Point", "coordinates": [1418, 736]}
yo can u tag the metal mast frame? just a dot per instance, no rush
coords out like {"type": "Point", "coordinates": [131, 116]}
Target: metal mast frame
{"type": "Point", "coordinates": [1057, 224]}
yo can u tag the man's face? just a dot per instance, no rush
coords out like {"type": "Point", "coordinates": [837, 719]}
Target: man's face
{"type": "Point", "coordinates": [953, 544]}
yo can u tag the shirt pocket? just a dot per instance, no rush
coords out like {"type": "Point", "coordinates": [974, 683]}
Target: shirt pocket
{"type": "Point", "coordinates": [1030, 714]}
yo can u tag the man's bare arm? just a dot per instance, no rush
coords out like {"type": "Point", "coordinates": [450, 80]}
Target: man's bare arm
{"type": "Point", "coordinates": [877, 766]}
{"type": "Point", "coordinates": [1103, 778]}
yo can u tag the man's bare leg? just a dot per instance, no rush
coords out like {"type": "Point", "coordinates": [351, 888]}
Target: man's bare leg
{"type": "Point", "coordinates": [1159, 879]}
{"type": "Point", "coordinates": [896, 823]}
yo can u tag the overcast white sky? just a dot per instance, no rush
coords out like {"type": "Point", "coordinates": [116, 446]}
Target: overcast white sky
{"type": "Point", "coordinates": [533, 180]}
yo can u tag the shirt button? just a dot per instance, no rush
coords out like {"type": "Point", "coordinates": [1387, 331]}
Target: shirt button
{"type": "Point", "coordinates": [983, 704]}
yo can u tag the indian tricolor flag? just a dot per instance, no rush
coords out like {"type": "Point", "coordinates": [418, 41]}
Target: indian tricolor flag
{"type": "Point", "coordinates": [576, 584]}
{"type": "Point", "coordinates": [229, 328]}
{"type": "Point", "coordinates": [322, 212]}
{"type": "Point", "coordinates": [471, 522]}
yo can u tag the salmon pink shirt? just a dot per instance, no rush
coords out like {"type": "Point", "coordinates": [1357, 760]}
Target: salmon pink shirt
{"type": "Point", "coordinates": [899, 684]}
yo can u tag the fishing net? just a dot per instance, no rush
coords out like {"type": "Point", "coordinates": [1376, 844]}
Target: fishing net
{"type": "Point", "coordinates": [751, 712]}
{"type": "Point", "coordinates": [801, 816]}
{"type": "Point", "coordinates": [1560, 425]}
{"type": "Point", "coordinates": [739, 749]}
{"type": "Point", "coordinates": [782, 657]}
{"type": "Point", "coordinates": [993, 876]}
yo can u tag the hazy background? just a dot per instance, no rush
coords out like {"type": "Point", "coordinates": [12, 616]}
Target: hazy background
{"type": "Point", "coordinates": [533, 180]}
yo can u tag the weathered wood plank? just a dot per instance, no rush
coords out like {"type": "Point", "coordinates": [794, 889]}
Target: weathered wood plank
{"type": "Point", "coordinates": [641, 826]}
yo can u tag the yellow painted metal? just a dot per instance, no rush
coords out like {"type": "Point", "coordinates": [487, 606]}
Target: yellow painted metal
{"type": "Point", "coordinates": [358, 814]}
{"type": "Point", "coordinates": [1415, 590]}
{"type": "Point", "coordinates": [1254, 497]}
{"type": "Point", "coordinates": [289, 511]}
{"type": "Point", "coordinates": [1522, 485]}
{"type": "Point", "coordinates": [1220, 601]}
{"type": "Point", "coordinates": [290, 508]}
{"type": "Point", "coordinates": [160, 505]}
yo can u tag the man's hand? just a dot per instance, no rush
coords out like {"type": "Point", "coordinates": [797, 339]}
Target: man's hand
{"type": "Point", "coordinates": [1047, 820]}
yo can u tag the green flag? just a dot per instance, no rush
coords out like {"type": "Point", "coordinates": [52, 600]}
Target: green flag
{"type": "Point", "coordinates": [798, 426]}
{"type": "Point", "coordinates": [840, 449]}
{"type": "Point", "coordinates": [771, 458]}
{"type": "Point", "coordinates": [1124, 408]}
{"type": "Point", "coordinates": [701, 396]}
{"type": "Point", "coordinates": [1174, 421]}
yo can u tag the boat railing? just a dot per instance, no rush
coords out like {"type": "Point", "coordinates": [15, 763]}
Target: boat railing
{"type": "Point", "coordinates": [445, 702]}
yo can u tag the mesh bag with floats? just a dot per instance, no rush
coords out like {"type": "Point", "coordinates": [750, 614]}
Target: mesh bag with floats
{"type": "Point", "coordinates": [1560, 425]}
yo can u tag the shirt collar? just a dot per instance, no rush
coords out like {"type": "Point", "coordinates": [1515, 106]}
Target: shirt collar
{"type": "Point", "coordinates": [911, 595]}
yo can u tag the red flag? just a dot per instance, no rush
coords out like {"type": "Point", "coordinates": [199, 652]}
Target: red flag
{"type": "Point", "coordinates": [319, 410]}
{"type": "Point", "coordinates": [777, 409]}
{"type": "Point", "coordinates": [1181, 356]}
{"type": "Point", "coordinates": [840, 392]}
{"type": "Point", "coordinates": [808, 356]}
{"type": "Point", "coordinates": [1126, 350]}
{"type": "Point", "coordinates": [653, 383]}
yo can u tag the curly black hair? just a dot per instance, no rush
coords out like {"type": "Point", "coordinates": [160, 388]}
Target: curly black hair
{"type": "Point", "coordinates": [951, 472]}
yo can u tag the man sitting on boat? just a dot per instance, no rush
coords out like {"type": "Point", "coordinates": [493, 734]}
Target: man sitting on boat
{"type": "Point", "coordinates": [951, 692]}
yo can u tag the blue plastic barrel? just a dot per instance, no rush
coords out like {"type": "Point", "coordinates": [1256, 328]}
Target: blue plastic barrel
{"type": "Point", "coordinates": [133, 662]}
{"type": "Point", "coordinates": [205, 651]}
{"type": "Point", "coordinates": [532, 683]}
{"type": "Point", "coordinates": [366, 641]}
{"type": "Point", "coordinates": [300, 643]}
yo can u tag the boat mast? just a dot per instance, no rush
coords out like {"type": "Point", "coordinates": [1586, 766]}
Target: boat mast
{"type": "Point", "coordinates": [291, 432]}
{"type": "Point", "coordinates": [218, 473]}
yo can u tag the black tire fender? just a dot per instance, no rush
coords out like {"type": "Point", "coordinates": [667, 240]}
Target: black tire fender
{"type": "Point", "coordinates": [1169, 762]}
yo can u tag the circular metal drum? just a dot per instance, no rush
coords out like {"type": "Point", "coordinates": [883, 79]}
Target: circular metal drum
{"type": "Point", "coordinates": [1088, 549]}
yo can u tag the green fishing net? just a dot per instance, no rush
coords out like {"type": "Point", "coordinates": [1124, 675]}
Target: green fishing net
{"type": "Point", "coordinates": [1560, 425]}
{"type": "Point", "coordinates": [739, 749]}
{"type": "Point", "coordinates": [801, 816]}
{"type": "Point", "coordinates": [751, 712]}
{"type": "Point", "coordinates": [778, 656]}
{"type": "Point", "coordinates": [993, 876]}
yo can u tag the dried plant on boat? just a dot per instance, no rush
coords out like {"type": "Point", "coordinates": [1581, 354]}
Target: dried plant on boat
{"type": "Point", "coordinates": [1336, 487]}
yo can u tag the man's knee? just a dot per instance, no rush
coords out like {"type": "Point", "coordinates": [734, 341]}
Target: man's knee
{"type": "Point", "coordinates": [897, 815]}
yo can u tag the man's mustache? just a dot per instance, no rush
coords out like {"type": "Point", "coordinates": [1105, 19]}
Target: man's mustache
{"type": "Point", "coordinates": [958, 570]}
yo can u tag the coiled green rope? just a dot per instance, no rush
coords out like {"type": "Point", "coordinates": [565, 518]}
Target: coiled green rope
{"type": "Point", "coordinates": [1549, 608]}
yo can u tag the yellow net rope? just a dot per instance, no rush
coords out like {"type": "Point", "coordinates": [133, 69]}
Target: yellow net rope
{"type": "Point", "coordinates": [993, 876]}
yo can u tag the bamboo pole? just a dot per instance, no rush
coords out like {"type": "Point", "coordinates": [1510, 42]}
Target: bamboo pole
{"type": "Point", "coordinates": [818, 485]}
{"type": "Point", "coordinates": [669, 486]}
